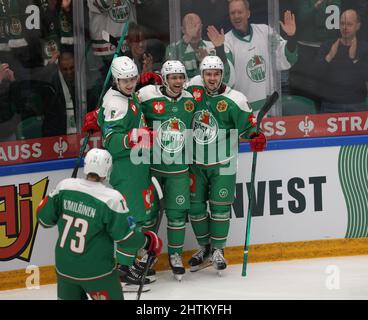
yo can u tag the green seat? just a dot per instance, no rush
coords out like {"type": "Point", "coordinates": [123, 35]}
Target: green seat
{"type": "Point", "coordinates": [294, 105]}
{"type": "Point", "coordinates": [30, 128]}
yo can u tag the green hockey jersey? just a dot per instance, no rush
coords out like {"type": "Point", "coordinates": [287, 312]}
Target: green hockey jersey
{"type": "Point", "coordinates": [116, 117]}
{"type": "Point", "coordinates": [90, 218]}
{"type": "Point", "coordinates": [218, 122]}
{"type": "Point", "coordinates": [171, 118]}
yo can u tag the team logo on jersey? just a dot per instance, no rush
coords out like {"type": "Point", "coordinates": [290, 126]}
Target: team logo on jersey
{"type": "Point", "coordinates": [256, 69]}
{"type": "Point", "coordinates": [171, 136]}
{"type": "Point", "coordinates": [205, 127]}
{"type": "Point", "coordinates": [252, 119]}
{"type": "Point", "coordinates": [133, 107]}
{"type": "Point", "coordinates": [119, 11]}
{"type": "Point", "coordinates": [197, 94]}
{"type": "Point", "coordinates": [223, 193]}
{"type": "Point", "coordinates": [64, 24]}
{"type": "Point", "coordinates": [221, 106]}
{"type": "Point", "coordinates": [180, 200]}
{"type": "Point", "coordinates": [189, 106]}
{"type": "Point", "coordinates": [148, 197]}
{"type": "Point", "coordinates": [159, 107]}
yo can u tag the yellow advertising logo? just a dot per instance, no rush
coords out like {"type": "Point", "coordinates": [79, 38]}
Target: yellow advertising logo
{"type": "Point", "coordinates": [18, 221]}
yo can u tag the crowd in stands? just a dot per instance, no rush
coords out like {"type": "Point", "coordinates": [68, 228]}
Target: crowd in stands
{"type": "Point", "coordinates": [321, 49]}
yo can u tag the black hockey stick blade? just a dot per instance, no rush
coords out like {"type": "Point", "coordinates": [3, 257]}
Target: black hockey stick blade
{"type": "Point", "coordinates": [271, 100]}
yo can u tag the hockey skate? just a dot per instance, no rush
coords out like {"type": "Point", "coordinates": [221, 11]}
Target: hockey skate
{"type": "Point", "coordinates": [176, 265]}
{"type": "Point", "coordinates": [200, 259]}
{"type": "Point", "coordinates": [141, 265]}
{"type": "Point", "coordinates": [218, 260]}
{"type": "Point", "coordinates": [131, 277]}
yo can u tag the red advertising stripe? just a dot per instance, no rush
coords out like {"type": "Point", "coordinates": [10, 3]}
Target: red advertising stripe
{"type": "Point", "coordinates": [321, 125]}
{"type": "Point", "coordinates": [291, 127]}
{"type": "Point", "coordinates": [44, 149]}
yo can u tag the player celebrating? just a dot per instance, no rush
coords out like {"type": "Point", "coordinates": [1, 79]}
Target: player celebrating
{"type": "Point", "coordinates": [91, 218]}
{"type": "Point", "coordinates": [170, 108]}
{"type": "Point", "coordinates": [213, 173]}
{"type": "Point", "coordinates": [125, 134]}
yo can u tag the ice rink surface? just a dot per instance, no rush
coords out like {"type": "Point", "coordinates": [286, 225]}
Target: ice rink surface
{"type": "Point", "coordinates": [337, 278]}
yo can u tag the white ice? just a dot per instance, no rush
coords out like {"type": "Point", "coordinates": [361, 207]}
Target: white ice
{"type": "Point", "coordinates": [324, 278]}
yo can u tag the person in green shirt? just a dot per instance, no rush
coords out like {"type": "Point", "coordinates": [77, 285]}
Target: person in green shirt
{"type": "Point", "coordinates": [126, 136]}
{"type": "Point", "coordinates": [221, 117]}
{"type": "Point", "coordinates": [169, 111]}
{"type": "Point", "coordinates": [91, 219]}
{"type": "Point", "coordinates": [191, 49]}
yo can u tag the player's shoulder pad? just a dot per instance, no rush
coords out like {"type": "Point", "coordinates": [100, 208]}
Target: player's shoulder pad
{"type": "Point", "coordinates": [148, 92]}
{"type": "Point", "coordinates": [115, 104]}
{"type": "Point", "coordinates": [186, 94]}
{"type": "Point", "coordinates": [116, 201]}
{"type": "Point", "coordinates": [63, 185]}
{"type": "Point", "coordinates": [195, 81]}
{"type": "Point", "coordinates": [238, 98]}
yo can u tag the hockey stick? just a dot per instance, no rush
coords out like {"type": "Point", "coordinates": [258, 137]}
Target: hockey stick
{"type": "Point", "coordinates": [151, 256]}
{"type": "Point", "coordinates": [267, 106]}
{"type": "Point", "coordinates": [107, 80]}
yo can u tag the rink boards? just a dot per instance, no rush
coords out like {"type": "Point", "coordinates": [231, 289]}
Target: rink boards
{"type": "Point", "coordinates": [303, 199]}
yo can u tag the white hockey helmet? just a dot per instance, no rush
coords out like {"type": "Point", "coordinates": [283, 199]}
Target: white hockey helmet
{"type": "Point", "coordinates": [171, 67]}
{"type": "Point", "coordinates": [211, 62]}
{"type": "Point", "coordinates": [98, 161]}
{"type": "Point", "coordinates": [123, 68]}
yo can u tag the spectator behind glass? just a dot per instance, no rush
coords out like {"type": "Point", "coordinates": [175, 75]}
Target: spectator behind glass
{"type": "Point", "coordinates": [191, 49]}
{"type": "Point", "coordinates": [66, 76]}
{"type": "Point", "coordinates": [343, 68]}
{"type": "Point", "coordinates": [44, 85]}
{"type": "Point", "coordinates": [317, 22]}
{"type": "Point", "coordinates": [212, 13]}
{"type": "Point", "coordinates": [361, 7]}
{"type": "Point", "coordinates": [110, 16]}
{"type": "Point", "coordinates": [247, 49]}
{"type": "Point", "coordinates": [9, 119]}
{"type": "Point", "coordinates": [137, 48]}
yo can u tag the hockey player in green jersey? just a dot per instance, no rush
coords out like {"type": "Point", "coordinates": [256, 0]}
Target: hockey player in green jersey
{"type": "Point", "coordinates": [91, 219]}
{"type": "Point", "coordinates": [222, 116]}
{"type": "Point", "coordinates": [127, 138]}
{"type": "Point", "coordinates": [169, 110]}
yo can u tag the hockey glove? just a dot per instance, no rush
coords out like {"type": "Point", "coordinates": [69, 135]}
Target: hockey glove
{"type": "Point", "coordinates": [154, 243]}
{"type": "Point", "coordinates": [141, 137]}
{"type": "Point", "coordinates": [90, 121]}
{"type": "Point", "coordinates": [257, 142]}
{"type": "Point", "coordinates": [150, 78]}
